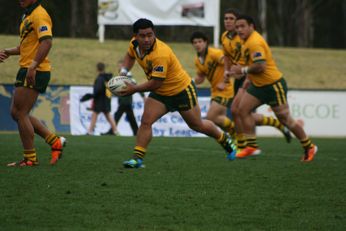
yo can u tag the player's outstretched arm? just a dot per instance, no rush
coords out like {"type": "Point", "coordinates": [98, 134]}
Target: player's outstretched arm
{"type": "Point", "coordinates": [5, 53]}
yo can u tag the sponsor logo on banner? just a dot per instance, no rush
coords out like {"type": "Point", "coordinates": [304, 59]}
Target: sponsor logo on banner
{"type": "Point", "coordinates": [172, 124]}
{"type": "Point", "coordinates": [321, 113]}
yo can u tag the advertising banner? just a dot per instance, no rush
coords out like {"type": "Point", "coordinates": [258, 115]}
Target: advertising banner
{"type": "Point", "coordinates": [171, 124]}
{"type": "Point", "coordinates": [322, 113]}
{"type": "Point", "coordinates": [51, 108]}
{"type": "Point", "coordinates": [172, 12]}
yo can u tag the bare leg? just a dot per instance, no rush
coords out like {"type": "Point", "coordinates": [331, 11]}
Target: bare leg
{"type": "Point", "coordinates": [39, 128]}
{"type": "Point", "coordinates": [193, 119]}
{"type": "Point", "coordinates": [235, 111]}
{"type": "Point", "coordinates": [283, 114]}
{"type": "Point", "coordinates": [153, 110]}
{"type": "Point", "coordinates": [111, 122]}
{"type": "Point", "coordinates": [247, 104]}
{"type": "Point", "coordinates": [217, 114]}
{"type": "Point", "coordinates": [22, 103]}
{"type": "Point", "coordinates": [92, 122]}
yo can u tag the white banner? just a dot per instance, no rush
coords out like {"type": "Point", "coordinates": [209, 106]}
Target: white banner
{"type": "Point", "coordinates": [171, 124]}
{"type": "Point", "coordinates": [168, 12]}
{"type": "Point", "coordinates": [322, 113]}
{"type": "Point", "coordinates": [171, 12]}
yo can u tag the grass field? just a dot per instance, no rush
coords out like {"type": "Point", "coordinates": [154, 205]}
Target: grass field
{"type": "Point", "coordinates": [74, 61]}
{"type": "Point", "coordinates": [187, 185]}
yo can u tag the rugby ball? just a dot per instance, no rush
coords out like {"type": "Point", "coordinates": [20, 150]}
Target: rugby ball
{"type": "Point", "coordinates": [117, 84]}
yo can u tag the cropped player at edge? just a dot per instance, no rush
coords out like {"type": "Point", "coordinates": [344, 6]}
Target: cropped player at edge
{"type": "Point", "coordinates": [33, 76]}
{"type": "Point", "coordinates": [171, 89]}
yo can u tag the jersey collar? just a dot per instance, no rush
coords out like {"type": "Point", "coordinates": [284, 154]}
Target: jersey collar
{"type": "Point", "coordinates": [201, 57]}
{"type": "Point", "coordinates": [31, 8]}
{"type": "Point", "coordinates": [141, 56]}
{"type": "Point", "coordinates": [231, 34]}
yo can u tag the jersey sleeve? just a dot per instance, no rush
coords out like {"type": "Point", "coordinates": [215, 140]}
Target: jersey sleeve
{"type": "Point", "coordinates": [217, 56]}
{"type": "Point", "coordinates": [257, 52]}
{"type": "Point", "coordinates": [160, 67]}
{"type": "Point", "coordinates": [43, 26]}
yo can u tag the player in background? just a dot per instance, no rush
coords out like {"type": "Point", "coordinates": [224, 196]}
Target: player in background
{"type": "Point", "coordinates": [102, 100]}
{"type": "Point", "coordinates": [171, 89]}
{"type": "Point", "coordinates": [210, 65]}
{"type": "Point", "coordinates": [267, 86]}
{"type": "Point", "coordinates": [232, 44]}
{"type": "Point", "coordinates": [32, 79]}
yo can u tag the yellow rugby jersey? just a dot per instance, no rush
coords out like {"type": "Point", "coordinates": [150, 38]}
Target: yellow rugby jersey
{"type": "Point", "coordinates": [231, 44]}
{"type": "Point", "coordinates": [35, 26]}
{"type": "Point", "coordinates": [161, 63]}
{"type": "Point", "coordinates": [256, 49]}
{"type": "Point", "coordinates": [212, 67]}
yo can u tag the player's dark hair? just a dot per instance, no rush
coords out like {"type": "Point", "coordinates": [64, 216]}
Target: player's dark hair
{"type": "Point", "coordinates": [248, 19]}
{"type": "Point", "coordinates": [233, 11]}
{"type": "Point", "coordinates": [100, 66]}
{"type": "Point", "coordinates": [198, 35]}
{"type": "Point", "coordinates": [142, 23]}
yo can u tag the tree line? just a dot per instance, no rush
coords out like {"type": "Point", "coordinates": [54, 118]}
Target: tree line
{"type": "Point", "coordinates": [294, 23]}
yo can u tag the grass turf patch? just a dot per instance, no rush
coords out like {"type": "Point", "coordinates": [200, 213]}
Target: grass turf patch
{"type": "Point", "coordinates": [187, 185]}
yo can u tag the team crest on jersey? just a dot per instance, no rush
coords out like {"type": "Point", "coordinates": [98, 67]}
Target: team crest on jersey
{"type": "Point", "coordinates": [158, 69]}
{"type": "Point", "coordinates": [257, 54]}
{"type": "Point", "coordinates": [43, 28]}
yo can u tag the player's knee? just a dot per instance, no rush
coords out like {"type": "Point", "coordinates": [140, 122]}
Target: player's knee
{"type": "Point", "coordinates": [196, 126]}
{"type": "Point", "coordinates": [14, 114]}
{"type": "Point", "coordinates": [146, 123]}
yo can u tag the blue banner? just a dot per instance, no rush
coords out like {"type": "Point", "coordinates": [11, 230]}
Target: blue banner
{"type": "Point", "coordinates": [51, 108]}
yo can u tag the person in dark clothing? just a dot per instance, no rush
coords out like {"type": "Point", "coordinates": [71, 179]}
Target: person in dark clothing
{"type": "Point", "coordinates": [125, 106]}
{"type": "Point", "coordinates": [101, 100]}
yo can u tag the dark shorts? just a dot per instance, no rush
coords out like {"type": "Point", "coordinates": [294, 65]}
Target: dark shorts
{"type": "Point", "coordinates": [102, 104]}
{"type": "Point", "coordinates": [274, 94]}
{"type": "Point", "coordinates": [183, 101]}
{"type": "Point", "coordinates": [238, 83]}
{"type": "Point", "coordinates": [41, 80]}
{"type": "Point", "coordinates": [222, 101]}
